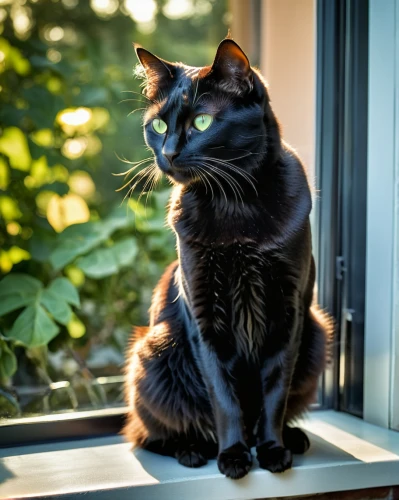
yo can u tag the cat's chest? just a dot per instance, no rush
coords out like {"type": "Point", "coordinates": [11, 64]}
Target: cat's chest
{"type": "Point", "coordinates": [228, 288]}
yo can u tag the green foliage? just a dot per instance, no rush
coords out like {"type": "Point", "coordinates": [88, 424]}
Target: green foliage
{"type": "Point", "coordinates": [8, 361]}
{"type": "Point", "coordinates": [34, 326]}
{"type": "Point", "coordinates": [78, 266]}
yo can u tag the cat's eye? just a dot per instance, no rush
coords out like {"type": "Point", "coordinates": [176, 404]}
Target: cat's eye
{"type": "Point", "coordinates": [159, 126]}
{"type": "Point", "coordinates": [202, 122]}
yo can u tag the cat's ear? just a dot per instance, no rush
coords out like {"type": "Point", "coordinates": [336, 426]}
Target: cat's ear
{"type": "Point", "coordinates": [157, 71]}
{"type": "Point", "coordinates": [231, 67]}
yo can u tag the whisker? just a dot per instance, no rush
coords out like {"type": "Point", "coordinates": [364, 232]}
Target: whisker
{"type": "Point", "coordinates": [134, 110]}
{"type": "Point", "coordinates": [140, 175]}
{"type": "Point", "coordinates": [204, 93]}
{"type": "Point", "coordinates": [230, 181]}
{"type": "Point", "coordinates": [218, 183]}
{"type": "Point", "coordinates": [206, 181]}
{"type": "Point", "coordinates": [137, 93]}
{"type": "Point", "coordinates": [135, 165]}
{"type": "Point", "coordinates": [147, 183]}
{"type": "Point", "coordinates": [247, 176]}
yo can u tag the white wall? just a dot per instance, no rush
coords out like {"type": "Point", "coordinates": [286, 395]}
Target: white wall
{"type": "Point", "coordinates": [288, 61]}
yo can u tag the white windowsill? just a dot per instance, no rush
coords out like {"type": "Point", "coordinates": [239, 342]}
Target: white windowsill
{"type": "Point", "coordinates": [346, 454]}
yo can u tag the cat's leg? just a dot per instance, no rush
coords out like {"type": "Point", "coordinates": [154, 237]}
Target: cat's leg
{"type": "Point", "coordinates": [234, 459]}
{"type": "Point", "coordinates": [169, 412]}
{"type": "Point", "coordinates": [169, 408]}
{"type": "Point", "coordinates": [272, 453]}
{"type": "Point", "coordinates": [313, 353]}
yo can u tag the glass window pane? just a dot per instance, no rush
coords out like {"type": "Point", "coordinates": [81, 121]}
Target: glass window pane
{"type": "Point", "coordinates": [78, 263]}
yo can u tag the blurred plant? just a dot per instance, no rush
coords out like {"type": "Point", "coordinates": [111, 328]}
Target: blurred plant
{"type": "Point", "coordinates": [77, 267]}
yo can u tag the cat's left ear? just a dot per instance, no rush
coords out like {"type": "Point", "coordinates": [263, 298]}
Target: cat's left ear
{"type": "Point", "coordinates": [231, 67]}
{"type": "Point", "coordinates": [158, 71]}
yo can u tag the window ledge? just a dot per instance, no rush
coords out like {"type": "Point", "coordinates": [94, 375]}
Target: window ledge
{"type": "Point", "coordinates": [346, 454]}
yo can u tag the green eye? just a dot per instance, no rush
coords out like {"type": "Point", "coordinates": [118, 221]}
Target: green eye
{"type": "Point", "coordinates": [202, 122]}
{"type": "Point", "coordinates": [159, 126]}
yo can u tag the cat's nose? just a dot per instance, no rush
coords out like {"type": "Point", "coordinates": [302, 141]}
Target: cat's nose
{"type": "Point", "coordinates": [170, 156]}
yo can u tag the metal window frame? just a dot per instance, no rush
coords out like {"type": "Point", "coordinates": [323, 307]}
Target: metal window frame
{"type": "Point", "coordinates": [330, 137]}
{"type": "Point", "coordinates": [62, 426]}
{"type": "Point", "coordinates": [341, 164]}
{"type": "Point", "coordinates": [381, 400]}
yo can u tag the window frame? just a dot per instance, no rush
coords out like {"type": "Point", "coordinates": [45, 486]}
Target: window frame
{"type": "Point", "coordinates": [381, 403]}
{"type": "Point", "coordinates": [381, 377]}
{"type": "Point", "coordinates": [62, 426]}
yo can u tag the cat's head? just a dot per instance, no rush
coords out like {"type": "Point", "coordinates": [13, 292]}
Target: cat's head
{"type": "Point", "coordinates": [210, 124]}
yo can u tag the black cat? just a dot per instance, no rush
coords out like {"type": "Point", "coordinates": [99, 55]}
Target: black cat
{"type": "Point", "coordinates": [234, 348]}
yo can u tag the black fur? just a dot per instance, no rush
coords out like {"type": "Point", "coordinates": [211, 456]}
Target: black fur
{"type": "Point", "coordinates": [234, 347]}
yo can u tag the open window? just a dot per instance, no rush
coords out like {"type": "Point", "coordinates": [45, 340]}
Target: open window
{"type": "Point", "coordinates": [331, 70]}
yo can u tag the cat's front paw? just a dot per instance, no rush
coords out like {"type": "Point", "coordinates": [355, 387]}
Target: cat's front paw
{"type": "Point", "coordinates": [235, 461]}
{"type": "Point", "coordinates": [277, 459]}
{"type": "Point", "coordinates": [191, 458]}
{"type": "Point", "coordinates": [295, 439]}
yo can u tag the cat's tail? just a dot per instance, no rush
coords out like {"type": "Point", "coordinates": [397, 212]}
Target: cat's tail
{"type": "Point", "coordinates": [138, 333]}
{"type": "Point", "coordinates": [327, 323]}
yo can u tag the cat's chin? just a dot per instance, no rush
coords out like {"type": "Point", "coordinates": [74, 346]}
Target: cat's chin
{"type": "Point", "coordinates": [179, 176]}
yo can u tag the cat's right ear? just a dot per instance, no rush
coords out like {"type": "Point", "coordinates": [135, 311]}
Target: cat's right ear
{"type": "Point", "coordinates": [231, 67]}
{"type": "Point", "coordinates": [157, 71]}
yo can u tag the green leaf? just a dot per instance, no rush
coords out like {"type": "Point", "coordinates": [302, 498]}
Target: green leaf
{"type": "Point", "coordinates": [13, 143]}
{"type": "Point", "coordinates": [73, 243]}
{"type": "Point", "coordinates": [79, 239]}
{"type": "Point", "coordinates": [107, 261]}
{"type": "Point", "coordinates": [8, 362]}
{"type": "Point", "coordinates": [19, 283]}
{"type": "Point", "coordinates": [14, 301]}
{"type": "Point", "coordinates": [33, 327]}
{"type": "Point", "coordinates": [125, 251]}
{"type": "Point", "coordinates": [17, 290]}
{"type": "Point", "coordinates": [99, 263]}
{"type": "Point", "coordinates": [56, 306]}
{"type": "Point", "coordinates": [63, 288]}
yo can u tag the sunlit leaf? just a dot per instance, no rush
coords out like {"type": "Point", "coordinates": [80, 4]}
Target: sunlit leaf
{"type": "Point", "coordinates": [43, 199]}
{"type": "Point", "coordinates": [18, 254]}
{"type": "Point", "coordinates": [13, 144]}
{"type": "Point", "coordinates": [100, 118]}
{"type": "Point", "coordinates": [81, 184]}
{"type": "Point", "coordinates": [20, 64]}
{"type": "Point", "coordinates": [44, 137]}
{"type": "Point", "coordinates": [33, 327]}
{"type": "Point", "coordinates": [74, 148]}
{"type": "Point", "coordinates": [66, 210]}
{"type": "Point", "coordinates": [4, 175]}
{"type": "Point", "coordinates": [5, 262]}
{"type": "Point", "coordinates": [9, 209]}
{"type": "Point", "coordinates": [13, 228]}
{"type": "Point", "coordinates": [76, 328]}
{"type": "Point", "coordinates": [75, 275]}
